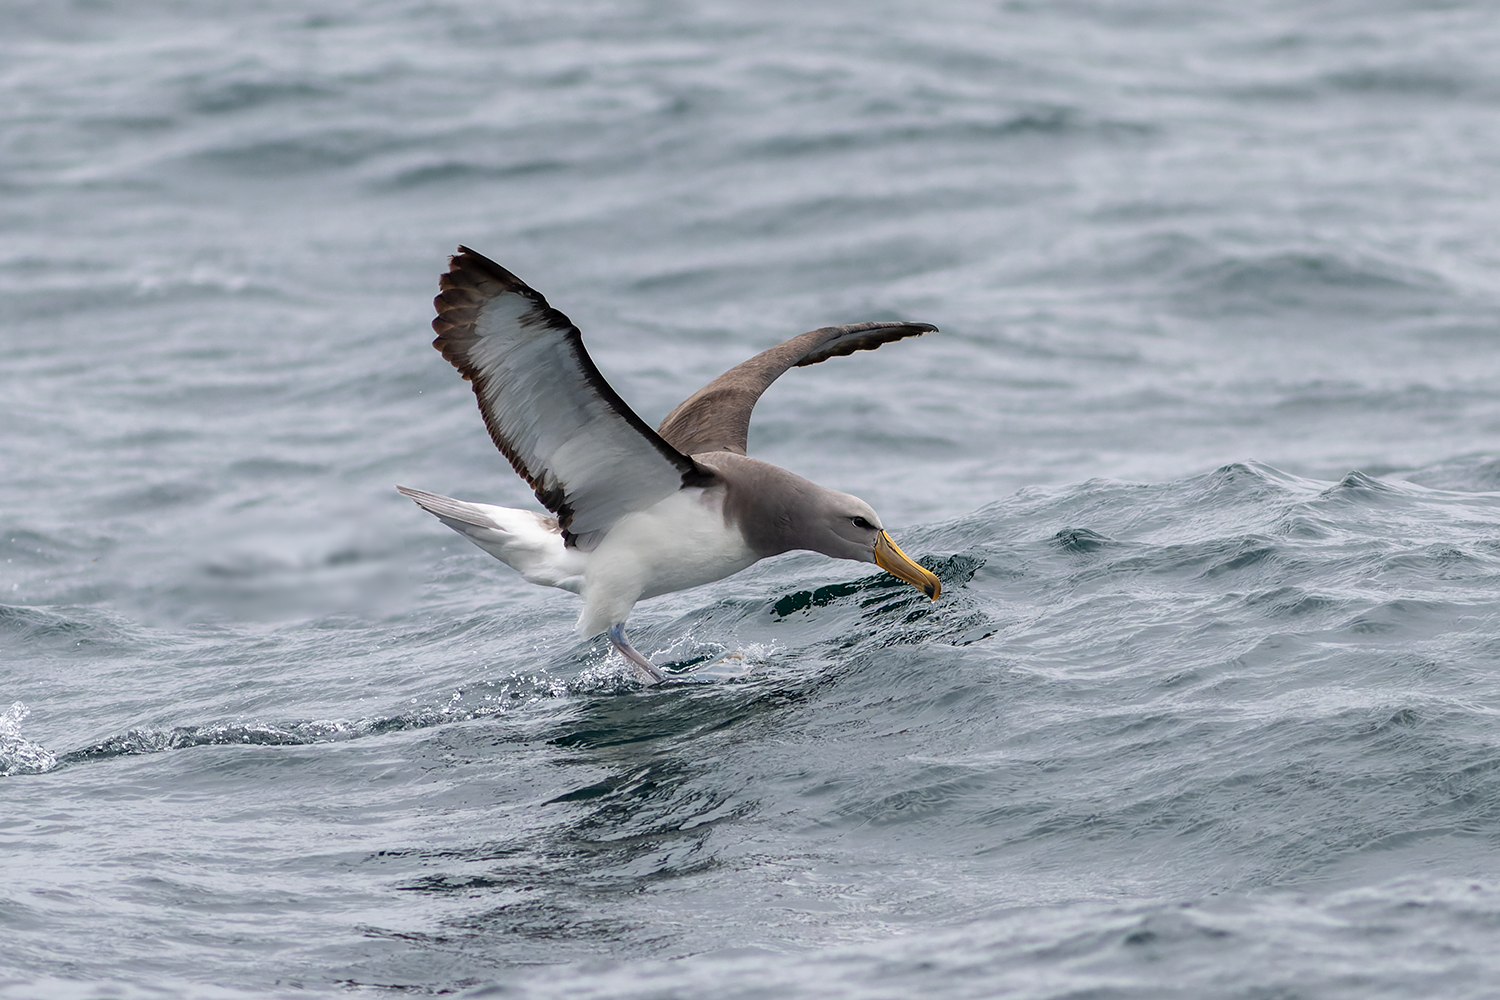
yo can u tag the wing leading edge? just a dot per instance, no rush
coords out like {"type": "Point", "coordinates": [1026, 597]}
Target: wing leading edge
{"type": "Point", "coordinates": [717, 416]}
{"type": "Point", "coordinates": [565, 430]}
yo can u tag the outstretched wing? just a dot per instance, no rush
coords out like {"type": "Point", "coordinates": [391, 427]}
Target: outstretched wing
{"type": "Point", "coordinates": [564, 429]}
{"type": "Point", "coordinates": [717, 416]}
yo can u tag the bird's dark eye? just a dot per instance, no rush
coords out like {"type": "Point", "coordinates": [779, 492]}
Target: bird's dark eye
{"type": "Point", "coordinates": [860, 522]}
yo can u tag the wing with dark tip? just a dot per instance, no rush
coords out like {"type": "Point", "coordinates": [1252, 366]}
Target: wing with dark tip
{"type": "Point", "coordinates": [564, 429]}
{"type": "Point", "coordinates": [717, 416]}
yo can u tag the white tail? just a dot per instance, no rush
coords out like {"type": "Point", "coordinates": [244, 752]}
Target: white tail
{"type": "Point", "coordinates": [529, 543]}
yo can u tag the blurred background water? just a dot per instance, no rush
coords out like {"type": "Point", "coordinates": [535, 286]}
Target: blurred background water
{"type": "Point", "coordinates": [1207, 454]}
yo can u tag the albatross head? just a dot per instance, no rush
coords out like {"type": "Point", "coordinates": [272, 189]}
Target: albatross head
{"type": "Point", "coordinates": [778, 511]}
{"type": "Point", "coordinates": [848, 528]}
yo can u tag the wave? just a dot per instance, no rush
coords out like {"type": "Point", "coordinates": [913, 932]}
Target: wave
{"type": "Point", "coordinates": [1042, 122]}
{"type": "Point", "coordinates": [1414, 938]}
{"type": "Point", "coordinates": [1305, 279]}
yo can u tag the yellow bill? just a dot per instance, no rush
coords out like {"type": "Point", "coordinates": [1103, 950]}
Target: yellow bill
{"type": "Point", "coordinates": [889, 557]}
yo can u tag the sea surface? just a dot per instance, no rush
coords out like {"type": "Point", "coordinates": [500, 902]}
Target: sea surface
{"type": "Point", "coordinates": [1207, 455]}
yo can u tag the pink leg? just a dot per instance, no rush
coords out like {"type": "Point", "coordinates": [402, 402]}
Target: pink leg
{"type": "Point", "coordinates": [645, 671]}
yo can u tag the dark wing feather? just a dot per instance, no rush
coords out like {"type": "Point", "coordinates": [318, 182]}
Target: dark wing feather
{"type": "Point", "coordinates": [564, 429]}
{"type": "Point", "coordinates": [717, 416]}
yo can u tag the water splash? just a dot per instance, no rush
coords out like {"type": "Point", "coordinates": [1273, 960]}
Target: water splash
{"type": "Point", "coordinates": [19, 755]}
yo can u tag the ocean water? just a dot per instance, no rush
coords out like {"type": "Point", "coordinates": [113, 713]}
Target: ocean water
{"type": "Point", "coordinates": [1207, 454]}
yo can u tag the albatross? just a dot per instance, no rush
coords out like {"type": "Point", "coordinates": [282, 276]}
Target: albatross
{"type": "Point", "coordinates": [634, 512]}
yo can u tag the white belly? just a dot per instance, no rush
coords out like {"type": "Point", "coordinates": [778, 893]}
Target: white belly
{"type": "Point", "coordinates": [680, 542]}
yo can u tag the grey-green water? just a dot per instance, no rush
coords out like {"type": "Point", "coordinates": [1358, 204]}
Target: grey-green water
{"type": "Point", "coordinates": [1207, 455]}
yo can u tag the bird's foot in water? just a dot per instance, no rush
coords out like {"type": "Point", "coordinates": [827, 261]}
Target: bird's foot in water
{"type": "Point", "coordinates": [645, 671]}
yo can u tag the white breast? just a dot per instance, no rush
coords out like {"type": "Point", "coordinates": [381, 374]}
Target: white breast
{"type": "Point", "coordinates": [680, 542]}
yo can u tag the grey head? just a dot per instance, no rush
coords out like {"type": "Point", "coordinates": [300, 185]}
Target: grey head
{"type": "Point", "coordinates": [778, 511]}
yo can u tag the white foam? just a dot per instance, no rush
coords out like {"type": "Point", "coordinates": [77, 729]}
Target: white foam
{"type": "Point", "coordinates": [19, 755]}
